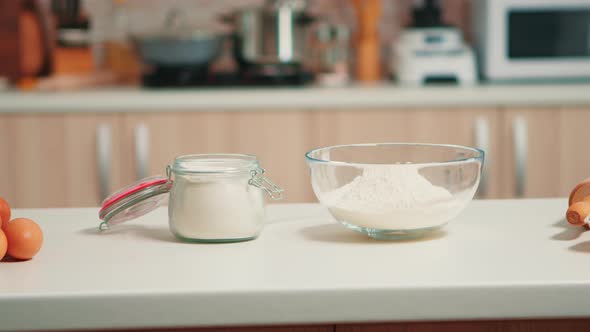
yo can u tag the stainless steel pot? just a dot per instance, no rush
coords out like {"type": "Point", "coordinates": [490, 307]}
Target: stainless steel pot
{"type": "Point", "coordinates": [273, 34]}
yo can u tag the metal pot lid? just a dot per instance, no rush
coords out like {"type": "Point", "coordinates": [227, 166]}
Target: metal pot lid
{"type": "Point", "coordinates": [134, 201]}
{"type": "Point", "coordinates": [294, 5]}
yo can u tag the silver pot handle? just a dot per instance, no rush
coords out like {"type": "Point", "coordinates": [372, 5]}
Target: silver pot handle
{"type": "Point", "coordinates": [142, 150]}
{"type": "Point", "coordinates": [481, 131]}
{"type": "Point", "coordinates": [104, 158]}
{"type": "Point", "coordinates": [520, 137]}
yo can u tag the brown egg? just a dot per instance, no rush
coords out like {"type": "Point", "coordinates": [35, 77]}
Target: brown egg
{"type": "Point", "coordinates": [25, 238]}
{"type": "Point", "coordinates": [4, 213]}
{"type": "Point", "coordinates": [3, 244]}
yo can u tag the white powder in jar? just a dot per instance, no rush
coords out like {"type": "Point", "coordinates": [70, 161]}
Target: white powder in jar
{"type": "Point", "coordinates": [215, 208]}
{"type": "Point", "coordinates": [392, 197]}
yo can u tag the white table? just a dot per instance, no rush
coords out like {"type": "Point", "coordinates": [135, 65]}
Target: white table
{"type": "Point", "coordinates": [499, 259]}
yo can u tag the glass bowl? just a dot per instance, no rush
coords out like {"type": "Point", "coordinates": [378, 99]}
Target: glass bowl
{"type": "Point", "coordinates": [395, 190]}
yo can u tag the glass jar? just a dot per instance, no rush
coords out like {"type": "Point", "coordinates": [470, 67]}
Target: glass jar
{"type": "Point", "coordinates": [213, 198]}
{"type": "Point", "coordinates": [218, 198]}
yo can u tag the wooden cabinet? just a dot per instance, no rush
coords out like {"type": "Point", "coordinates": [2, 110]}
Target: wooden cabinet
{"type": "Point", "coordinates": [66, 160]}
{"type": "Point", "coordinates": [280, 328]}
{"type": "Point", "coordinates": [279, 139]}
{"type": "Point", "coordinates": [538, 325]}
{"type": "Point", "coordinates": [151, 141]}
{"type": "Point", "coordinates": [530, 140]}
{"type": "Point", "coordinates": [52, 160]}
{"type": "Point", "coordinates": [544, 151]}
{"type": "Point", "coordinates": [574, 150]}
{"type": "Point", "coordinates": [467, 126]}
{"type": "Point", "coordinates": [69, 160]}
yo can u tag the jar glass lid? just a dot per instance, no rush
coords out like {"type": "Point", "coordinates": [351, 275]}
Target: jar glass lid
{"type": "Point", "coordinates": [134, 201]}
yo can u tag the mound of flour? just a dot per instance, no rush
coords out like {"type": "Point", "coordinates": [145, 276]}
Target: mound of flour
{"type": "Point", "coordinates": [393, 197]}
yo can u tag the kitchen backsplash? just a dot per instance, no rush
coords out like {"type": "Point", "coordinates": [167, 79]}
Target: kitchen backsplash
{"type": "Point", "coordinates": [146, 16]}
{"type": "Point", "coordinates": [140, 17]}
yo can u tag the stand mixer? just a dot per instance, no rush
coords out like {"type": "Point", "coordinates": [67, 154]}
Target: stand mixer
{"type": "Point", "coordinates": [430, 51]}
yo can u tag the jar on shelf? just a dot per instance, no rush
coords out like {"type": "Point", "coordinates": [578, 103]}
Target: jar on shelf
{"type": "Point", "coordinates": [212, 198]}
{"type": "Point", "coordinates": [332, 48]}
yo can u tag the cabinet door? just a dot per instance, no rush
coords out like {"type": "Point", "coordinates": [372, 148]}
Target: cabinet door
{"type": "Point", "coordinates": [278, 139]}
{"type": "Point", "coordinates": [531, 143]}
{"type": "Point", "coordinates": [574, 153]}
{"type": "Point", "coordinates": [466, 126]}
{"type": "Point", "coordinates": [152, 140]}
{"type": "Point", "coordinates": [51, 160]}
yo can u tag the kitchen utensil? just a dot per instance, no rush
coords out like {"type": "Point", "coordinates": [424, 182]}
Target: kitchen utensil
{"type": "Point", "coordinates": [395, 190]}
{"type": "Point", "coordinates": [180, 44]}
{"type": "Point", "coordinates": [213, 198]}
{"type": "Point", "coordinates": [111, 47]}
{"type": "Point", "coordinates": [198, 50]}
{"type": "Point", "coordinates": [332, 44]}
{"type": "Point", "coordinates": [10, 45]}
{"type": "Point", "coordinates": [368, 62]}
{"type": "Point", "coordinates": [26, 40]}
{"type": "Point", "coordinates": [275, 33]}
{"type": "Point", "coordinates": [429, 51]}
{"type": "Point", "coordinates": [37, 35]}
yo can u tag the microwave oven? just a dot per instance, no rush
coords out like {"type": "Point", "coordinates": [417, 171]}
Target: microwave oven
{"type": "Point", "coordinates": [532, 39]}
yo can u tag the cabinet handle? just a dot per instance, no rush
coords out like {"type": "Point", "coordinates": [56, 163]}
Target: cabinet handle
{"type": "Point", "coordinates": [142, 150]}
{"type": "Point", "coordinates": [104, 158]}
{"type": "Point", "coordinates": [482, 141]}
{"type": "Point", "coordinates": [520, 137]}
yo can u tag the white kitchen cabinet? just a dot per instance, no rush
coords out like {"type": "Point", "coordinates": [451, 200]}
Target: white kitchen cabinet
{"type": "Point", "coordinates": [53, 160]}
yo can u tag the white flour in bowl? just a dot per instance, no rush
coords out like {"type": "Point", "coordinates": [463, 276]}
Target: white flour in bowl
{"type": "Point", "coordinates": [392, 197]}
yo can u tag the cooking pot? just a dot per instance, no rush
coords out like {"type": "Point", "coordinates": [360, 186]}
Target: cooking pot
{"type": "Point", "coordinates": [275, 33]}
{"type": "Point", "coordinates": [197, 50]}
{"type": "Point", "coordinates": [179, 44]}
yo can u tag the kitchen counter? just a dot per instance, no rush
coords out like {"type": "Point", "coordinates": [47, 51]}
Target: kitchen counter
{"type": "Point", "coordinates": [499, 259]}
{"type": "Point", "coordinates": [279, 99]}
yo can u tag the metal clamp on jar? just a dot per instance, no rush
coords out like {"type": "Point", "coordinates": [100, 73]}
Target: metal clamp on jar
{"type": "Point", "coordinates": [213, 198]}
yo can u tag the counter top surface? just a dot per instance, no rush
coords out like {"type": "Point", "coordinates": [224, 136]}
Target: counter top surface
{"type": "Point", "coordinates": [499, 259]}
{"type": "Point", "coordinates": [279, 99]}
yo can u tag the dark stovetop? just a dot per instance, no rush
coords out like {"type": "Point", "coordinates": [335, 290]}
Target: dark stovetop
{"type": "Point", "coordinates": [187, 76]}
